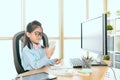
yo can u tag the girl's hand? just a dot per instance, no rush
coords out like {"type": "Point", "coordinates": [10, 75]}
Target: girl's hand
{"type": "Point", "coordinates": [49, 52]}
{"type": "Point", "coordinates": [57, 61]}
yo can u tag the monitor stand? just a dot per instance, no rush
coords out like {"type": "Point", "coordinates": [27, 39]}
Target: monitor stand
{"type": "Point", "coordinates": [99, 61]}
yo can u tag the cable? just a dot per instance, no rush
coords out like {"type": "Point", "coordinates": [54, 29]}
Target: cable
{"type": "Point", "coordinates": [113, 72]}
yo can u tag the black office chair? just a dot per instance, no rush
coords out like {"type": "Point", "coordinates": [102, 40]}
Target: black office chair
{"type": "Point", "coordinates": [18, 41]}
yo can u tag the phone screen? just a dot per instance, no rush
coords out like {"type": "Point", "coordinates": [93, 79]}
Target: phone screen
{"type": "Point", "coordinates": [52, 44]}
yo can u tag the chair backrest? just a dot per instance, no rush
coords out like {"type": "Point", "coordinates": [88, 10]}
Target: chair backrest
{"type": "Point", "coordinates": [18, 39]}
{"type": "Point", "coordinates": [16, 52]}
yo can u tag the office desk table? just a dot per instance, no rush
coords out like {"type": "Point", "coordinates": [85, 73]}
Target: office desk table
{"type": "Point", "coordinates": [98, 73]}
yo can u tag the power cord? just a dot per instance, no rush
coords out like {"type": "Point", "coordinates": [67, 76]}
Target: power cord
{"type": "Point", "coordinates": [113, 73]}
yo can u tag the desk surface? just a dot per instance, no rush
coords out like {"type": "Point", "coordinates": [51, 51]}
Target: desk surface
{"type": "Point", "coordinates": [98, 73]}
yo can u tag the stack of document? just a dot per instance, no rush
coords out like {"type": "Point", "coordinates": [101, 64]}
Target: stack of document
{"type": "Point", "coordinates": [112, 74]}
{"type": "Point", "coordinates": [59, 71]}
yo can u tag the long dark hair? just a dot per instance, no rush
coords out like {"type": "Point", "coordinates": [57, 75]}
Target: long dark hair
{"type": "Point", "coordinates": [31, 27]}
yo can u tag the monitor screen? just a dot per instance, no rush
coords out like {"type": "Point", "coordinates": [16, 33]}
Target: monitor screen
{"type": "Point", "coordinates": [94, 35]}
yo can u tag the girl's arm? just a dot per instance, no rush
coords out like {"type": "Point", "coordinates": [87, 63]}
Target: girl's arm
{"type": "Point", "coordinates": [34, 62]}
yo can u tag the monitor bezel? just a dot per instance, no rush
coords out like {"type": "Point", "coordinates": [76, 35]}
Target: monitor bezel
{"type": "Point", "coordinates": [104, 24]}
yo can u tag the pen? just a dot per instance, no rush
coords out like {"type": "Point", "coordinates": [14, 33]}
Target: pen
{"type": "Point", "coordinates": [87, 55]}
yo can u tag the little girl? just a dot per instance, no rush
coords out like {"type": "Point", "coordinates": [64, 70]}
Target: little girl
{"type": "Point", "coordinates": [33, 55]}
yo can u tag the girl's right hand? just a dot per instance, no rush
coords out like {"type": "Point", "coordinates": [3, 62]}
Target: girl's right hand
{"type": "Point", "coordinates": [50, 51]}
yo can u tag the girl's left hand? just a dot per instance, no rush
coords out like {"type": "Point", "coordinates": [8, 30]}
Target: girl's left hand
{"type": "Point", "coordinates": [49, 52]}
{"type": "Point", "coordinates": [57, 61]}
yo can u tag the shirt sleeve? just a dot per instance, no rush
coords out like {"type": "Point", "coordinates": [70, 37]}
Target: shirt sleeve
{"type": "Point", "coordinates": [34, 62]}
{"type": "Point", "coordinates": [51, 62]}
{"type": "Point", "coordinates": [43, 52]}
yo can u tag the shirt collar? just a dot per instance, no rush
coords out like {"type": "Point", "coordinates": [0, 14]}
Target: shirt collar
{"type": "Point", "coordinates": [37, 46]}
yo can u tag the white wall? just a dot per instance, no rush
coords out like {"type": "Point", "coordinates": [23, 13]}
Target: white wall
{"type": "Point", "coordinates": [10, 18]}
{"type": "Point", "coordinates": [7, 69]}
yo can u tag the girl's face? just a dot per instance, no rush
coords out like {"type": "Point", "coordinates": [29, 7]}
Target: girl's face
{"type": "Point", "coordinates": [35, 36]}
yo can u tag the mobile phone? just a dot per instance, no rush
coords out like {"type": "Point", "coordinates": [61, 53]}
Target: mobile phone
{"type": "Point", "coordinates": [51, 44]}
{"type": "Point", "coordinates": [60, 59]}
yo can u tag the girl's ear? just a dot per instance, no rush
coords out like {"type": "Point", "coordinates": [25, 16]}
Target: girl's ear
{"type": "Point", "coordinates": [28, 34]}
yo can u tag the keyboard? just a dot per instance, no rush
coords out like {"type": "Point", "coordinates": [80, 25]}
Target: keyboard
{"type": "Point", "coordinates": [77, 63]}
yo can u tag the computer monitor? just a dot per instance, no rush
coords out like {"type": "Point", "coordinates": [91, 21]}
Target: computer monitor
{"type": "Point", "coordinates": [94, 35]}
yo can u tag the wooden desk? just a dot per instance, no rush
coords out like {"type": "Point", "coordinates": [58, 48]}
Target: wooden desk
{"type": "Point", "coordinates": [97, 74]}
